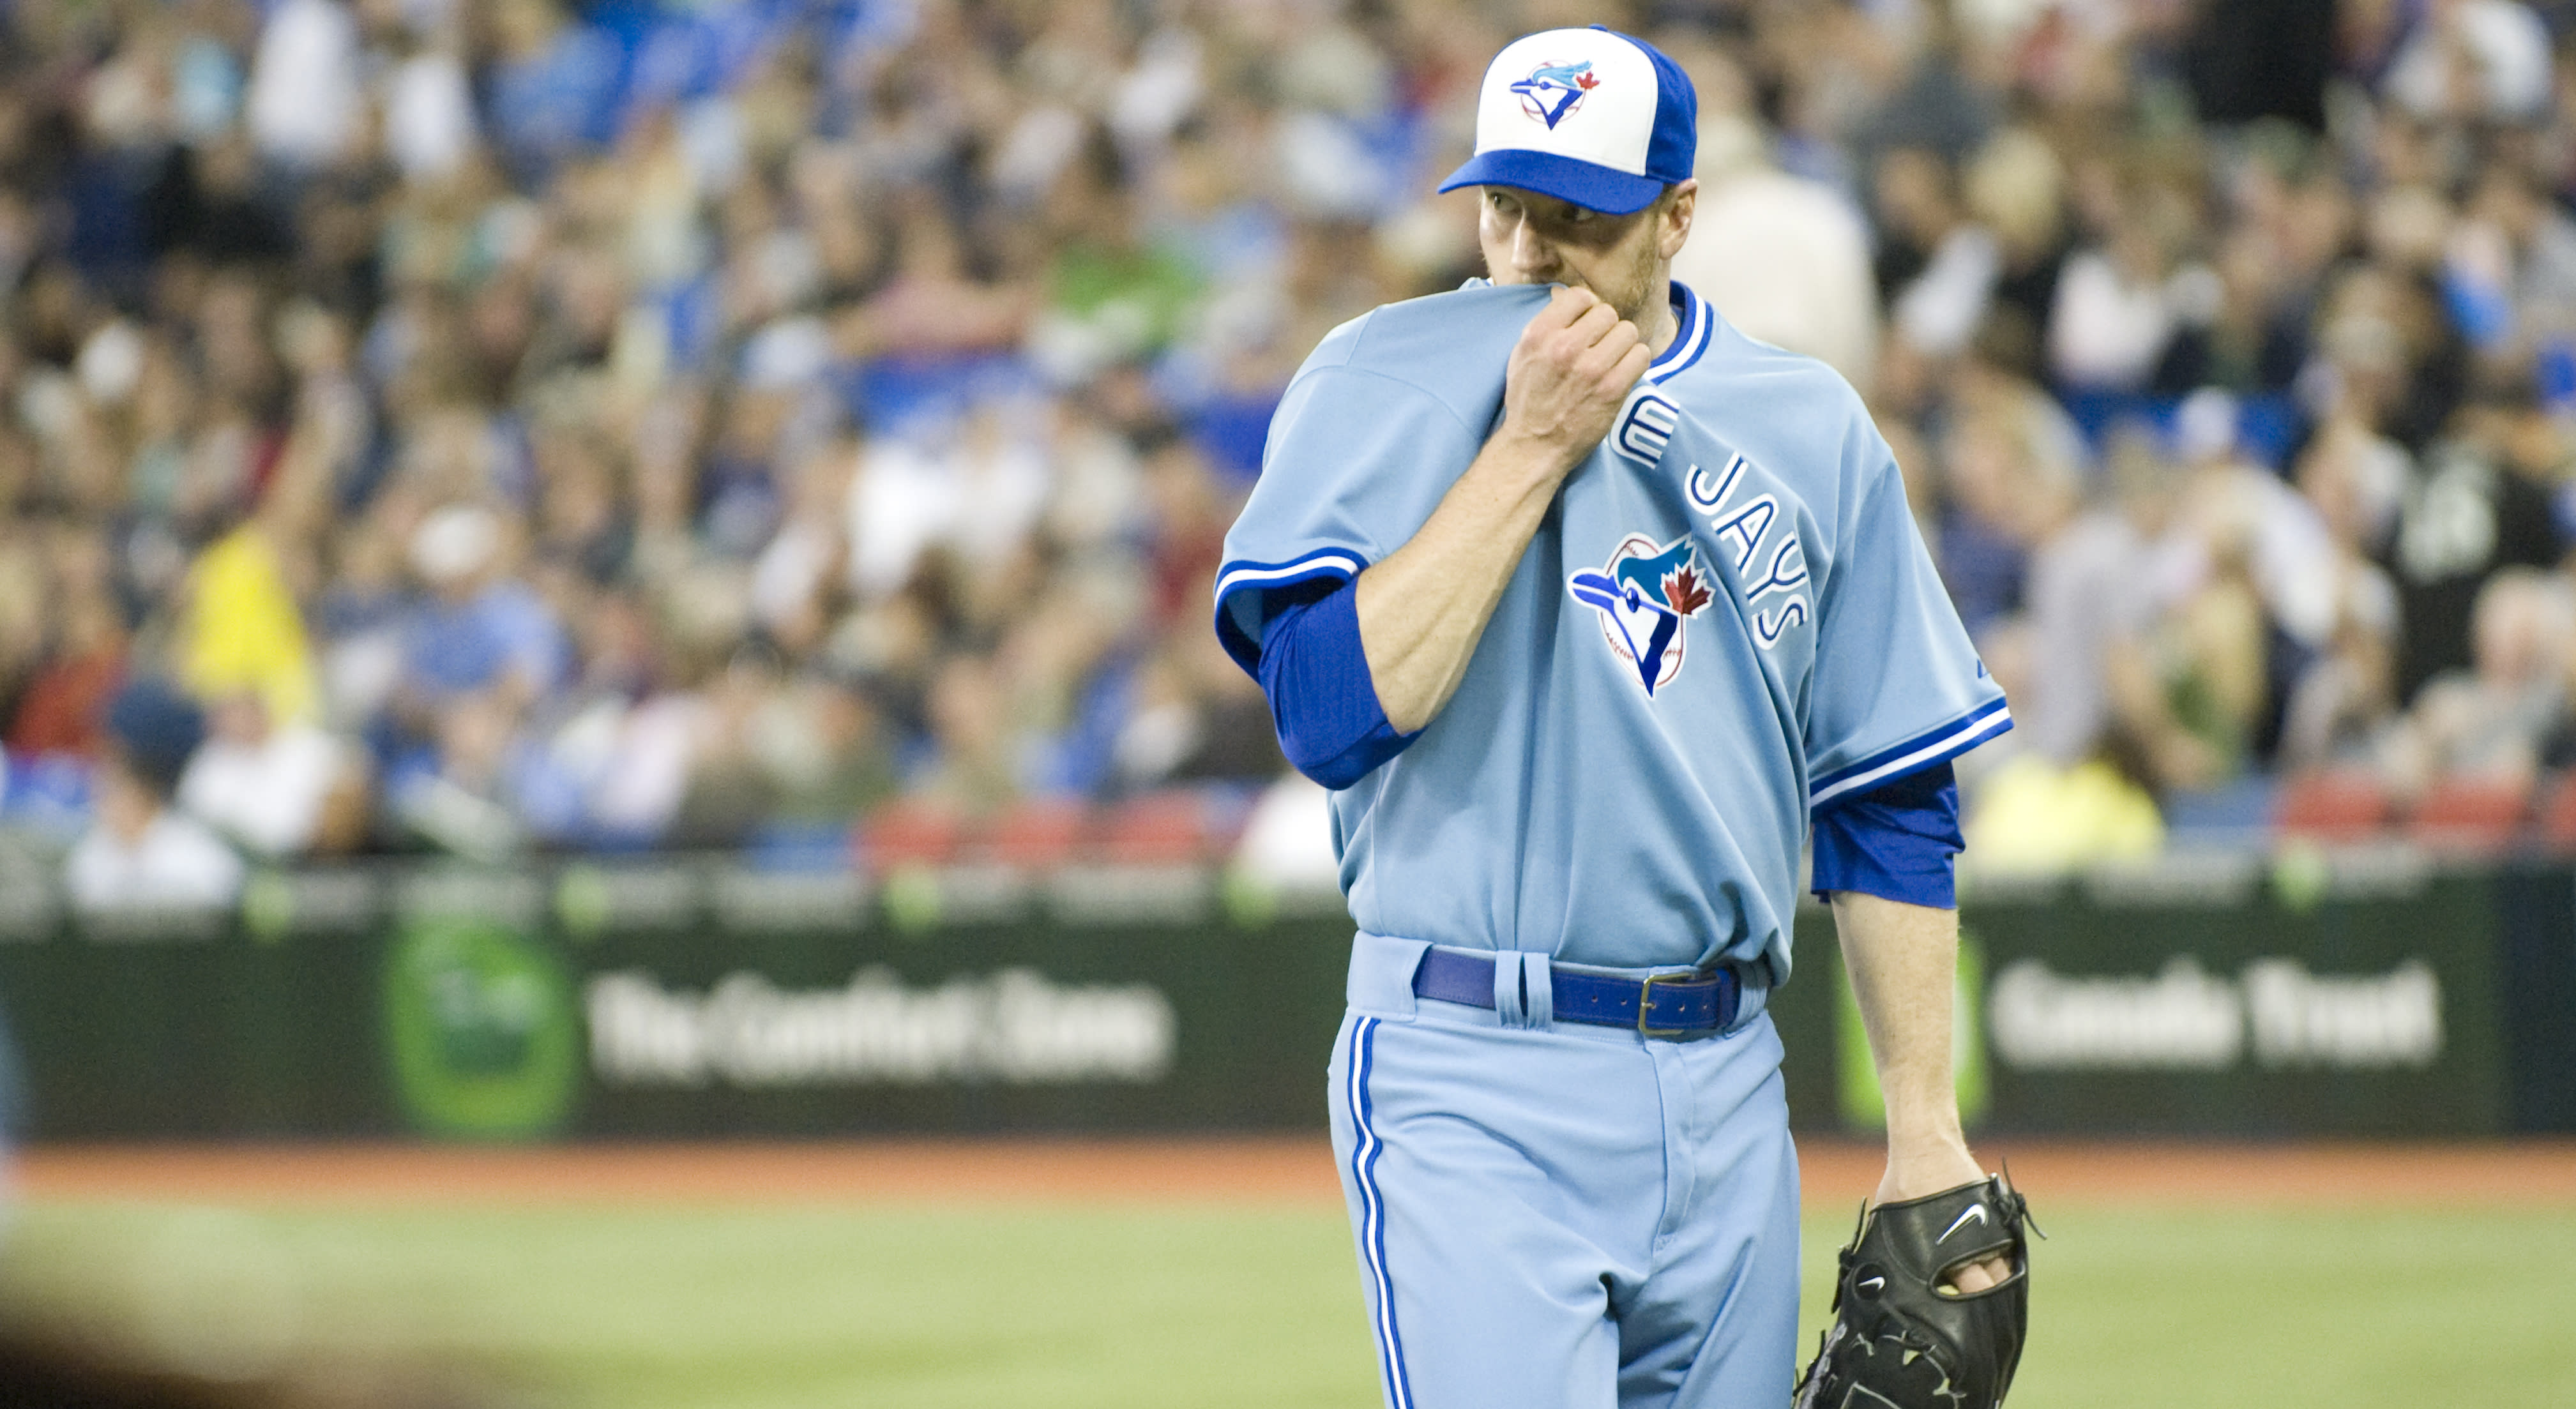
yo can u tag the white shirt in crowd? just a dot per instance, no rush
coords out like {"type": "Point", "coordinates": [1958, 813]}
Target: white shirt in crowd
{"type": "Point", "coordinates": [1784, 259]}
{"type": "Point", "coordinates": [304, 103]}
{"type": "Point", "coordinates": [176, 863]}
{"type": "Point", "coordinates": [268, 795]}
{"type": "Point", "coordinates": [2503, 45]}
{"type": "Point", "coordinates": [429, 115]}
{"type": "Point", "coordinates": [2108, 329]}
{"type": "Point", "coordinates": [980, 494]}
{"type": "Point", "coordinates": [1939, 312]}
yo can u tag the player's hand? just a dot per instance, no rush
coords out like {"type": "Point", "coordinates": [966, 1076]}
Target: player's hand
{"type": "Point", "coordinates": [1917, 1173]}
{"type": "Point", "coordinates": [1568, 376]}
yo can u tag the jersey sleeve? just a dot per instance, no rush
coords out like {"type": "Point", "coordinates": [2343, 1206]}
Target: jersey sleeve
{"type": "Point", "coordinates": [1356, 461]}
{"type": "Point", "coordinates": [1896, 687]}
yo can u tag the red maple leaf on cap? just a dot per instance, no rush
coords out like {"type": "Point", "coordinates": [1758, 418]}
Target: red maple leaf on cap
{"type": "Point", "coordinates": [1684, 592]}
{"type": "Point", "coordinates": [1587, 80]}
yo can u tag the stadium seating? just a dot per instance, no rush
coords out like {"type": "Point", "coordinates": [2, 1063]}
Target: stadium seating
{"type": "Point", "coordinates": [2470, 814]}
{"type": "Point", "coordinates": [1160, 828]}
{"type": "Point", "coordinates": [1038, 833]}
{"type": "Point", "coordinates": [912, 832]}
{"type": "Point", "coordinates": [2556, 813]}
{"type": "Point", "coordinates": [2332, 807]}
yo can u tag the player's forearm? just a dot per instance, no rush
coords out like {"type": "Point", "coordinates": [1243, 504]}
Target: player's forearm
{"type": "Point", "coordinates": [1903, 960]}
{"type": "Point", "coordinates": [1423, 607]}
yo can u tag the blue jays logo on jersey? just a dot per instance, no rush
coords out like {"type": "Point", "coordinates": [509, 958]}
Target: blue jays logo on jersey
{"type": "Point", "coordinates": [1553, 90]}
{"type": "Point", "coordinates": [1643, 595]}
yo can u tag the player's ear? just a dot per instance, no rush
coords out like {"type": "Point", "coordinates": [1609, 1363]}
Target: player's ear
{"type": "Point", "coordinates": [1673, 217]}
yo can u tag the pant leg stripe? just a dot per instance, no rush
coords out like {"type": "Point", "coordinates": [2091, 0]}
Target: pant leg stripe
{"type": "Point", "coordinates": [1364, 1153]}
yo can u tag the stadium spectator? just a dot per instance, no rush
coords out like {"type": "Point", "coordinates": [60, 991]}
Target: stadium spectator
{"type": "Point", "coordinates": [975, 764]}
{"type": "Point", "coordinates": [2465, 515]}
{"type": "Point", "coordinates": [2342, 708]}
{"type": "Point", "coordinates": [1783, 258]}
{"type": "Point", "coordinates": [2342, 712]}
{"type": "Point", "coordinates": [278, 790]}
{"type": "Point", "coordinates": [481, 632]}
{"type": "Point", "coordinates": [1936, 268]}
{"type": "Point", "coordinates": [2256, 59]}
{"type": "Point", "coordinates": [2015, 187]}
{"type": "Point", "coordinates": [2090, 591]}
{"type": "Point", "coordinates": [2188, 692]}
{"type": "Point", "coordinates": [2490, 721]}
{"type": "Point", "coordinates": [1112, 294]}
{"type": "Point", "coordinates": [61, 707]}
{"type": "Point", "coordinates": [140, 851]}
{"type": "Point", "coordinates": [2013, 476]}
{"type": "Point", "coordinates": [241, 628]}
{"type": "Point", "coordinates": [305, 105]}
{"type": "Point", "coordinates": [764, 380]}
{"type": "Point", "coordinates": [2032, 816]}
{"type": "Point", "coordinates": [2126, 295]}
{"type": "Point", "coordinates": [2473, 60]}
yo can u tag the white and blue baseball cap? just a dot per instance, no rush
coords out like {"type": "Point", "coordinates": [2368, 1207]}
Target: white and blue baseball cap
{"type": "Point", "coordinates": [1589, 116]}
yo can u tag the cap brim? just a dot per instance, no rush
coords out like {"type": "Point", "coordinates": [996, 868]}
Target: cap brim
{"type": "Point", "coordinates": [1580, 182]}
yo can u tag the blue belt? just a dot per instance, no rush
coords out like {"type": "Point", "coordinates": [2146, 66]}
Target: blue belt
{"type": "Point", "coordinates": [1661, 1005]}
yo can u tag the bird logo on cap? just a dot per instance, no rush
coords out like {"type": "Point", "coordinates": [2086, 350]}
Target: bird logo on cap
{"type": "Point", "coordinates": [1554, 90]}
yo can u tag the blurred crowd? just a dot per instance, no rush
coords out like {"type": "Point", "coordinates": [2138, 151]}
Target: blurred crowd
{"type": "Point", "coordinates": [494, 426]}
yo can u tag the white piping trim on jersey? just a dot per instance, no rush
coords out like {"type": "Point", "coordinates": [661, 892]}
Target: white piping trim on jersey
{"type": "Point", "coordinates": [1972, 731]}
{"type": "Point", "coordinates": [1364, 1152]}
{"type": "Point", "coordinates": [1351, 567]}
{"type": "Point", "coordinates": [1910, 748]}
{"type": "Point", "coordinates": [1687, 346]}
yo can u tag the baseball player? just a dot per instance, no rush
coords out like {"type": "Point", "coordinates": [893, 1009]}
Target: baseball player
{"type": "Point", "coordinates": [1584, 605]}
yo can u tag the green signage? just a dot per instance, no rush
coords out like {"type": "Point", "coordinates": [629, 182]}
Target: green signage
{"type": "Point", "coordinates": [2342, 992]}
{"type": "Point", "coordinates": [480, 1030]}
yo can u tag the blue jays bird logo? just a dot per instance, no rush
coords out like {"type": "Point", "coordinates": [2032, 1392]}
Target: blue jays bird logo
{"type": "Point", "coordinates": [1553, 90]}
{"type": "Point", "coordinates": [1644, 594]}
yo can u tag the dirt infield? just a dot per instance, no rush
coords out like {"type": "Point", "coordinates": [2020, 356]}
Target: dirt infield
{"type": "Point", "coordinates": [1231, 1170]}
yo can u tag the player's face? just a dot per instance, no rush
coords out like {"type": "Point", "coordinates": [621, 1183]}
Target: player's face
{"type": "Point", "coordinates": [1529, 238]}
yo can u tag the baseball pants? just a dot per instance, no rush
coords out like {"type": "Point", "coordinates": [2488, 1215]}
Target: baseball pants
{"type": "Point", "coordinates": [1562, 1216]}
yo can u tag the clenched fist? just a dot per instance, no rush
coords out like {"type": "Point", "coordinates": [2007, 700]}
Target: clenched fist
{"type": "Point", "coordinates": [1568, 376]}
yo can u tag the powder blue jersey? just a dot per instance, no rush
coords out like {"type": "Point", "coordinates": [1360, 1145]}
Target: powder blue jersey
{"type": "Point", "coordinates": [1726, 619]}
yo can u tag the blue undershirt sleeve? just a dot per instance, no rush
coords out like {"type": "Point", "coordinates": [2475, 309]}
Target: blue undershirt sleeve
{"type": "Point", "coordinates": [1900, 840]}
{"type": "Point", "coordinates": [1322, 701]}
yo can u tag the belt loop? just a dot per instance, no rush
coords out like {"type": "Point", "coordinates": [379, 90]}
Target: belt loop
{"type": "Point", "coordinates": [1509, 983]}
{"type": "Point", "coordinates": [1381, 974]}
{"type": "Point", "coordinates": [1539, 976]}
{"type": "Point", "coordinates": [1752, 992]}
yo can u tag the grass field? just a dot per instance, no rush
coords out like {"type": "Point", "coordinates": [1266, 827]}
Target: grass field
{"type": "Point", "coordinates": [661, 1307]}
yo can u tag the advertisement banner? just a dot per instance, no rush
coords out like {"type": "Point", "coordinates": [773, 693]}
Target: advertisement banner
{"type": "Point", "coordinates": [679, 998]}
{"type": "Point", "coordinates": [2204, 997]}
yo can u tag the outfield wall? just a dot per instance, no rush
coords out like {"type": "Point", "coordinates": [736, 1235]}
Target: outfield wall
{"type": "Point", "coordinates": [2367, 993]}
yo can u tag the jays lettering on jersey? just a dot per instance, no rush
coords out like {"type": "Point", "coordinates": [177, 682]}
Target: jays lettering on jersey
{"type": "Point", "coordinates": [1726, 617]}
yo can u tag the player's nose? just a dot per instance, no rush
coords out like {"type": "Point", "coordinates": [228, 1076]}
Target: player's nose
{"type": "Point", "coordinates": [1532, 254]}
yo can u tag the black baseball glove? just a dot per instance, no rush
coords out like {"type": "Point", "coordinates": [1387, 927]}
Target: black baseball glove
{"type": "Point", "coordinates": [1898, 1341]}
